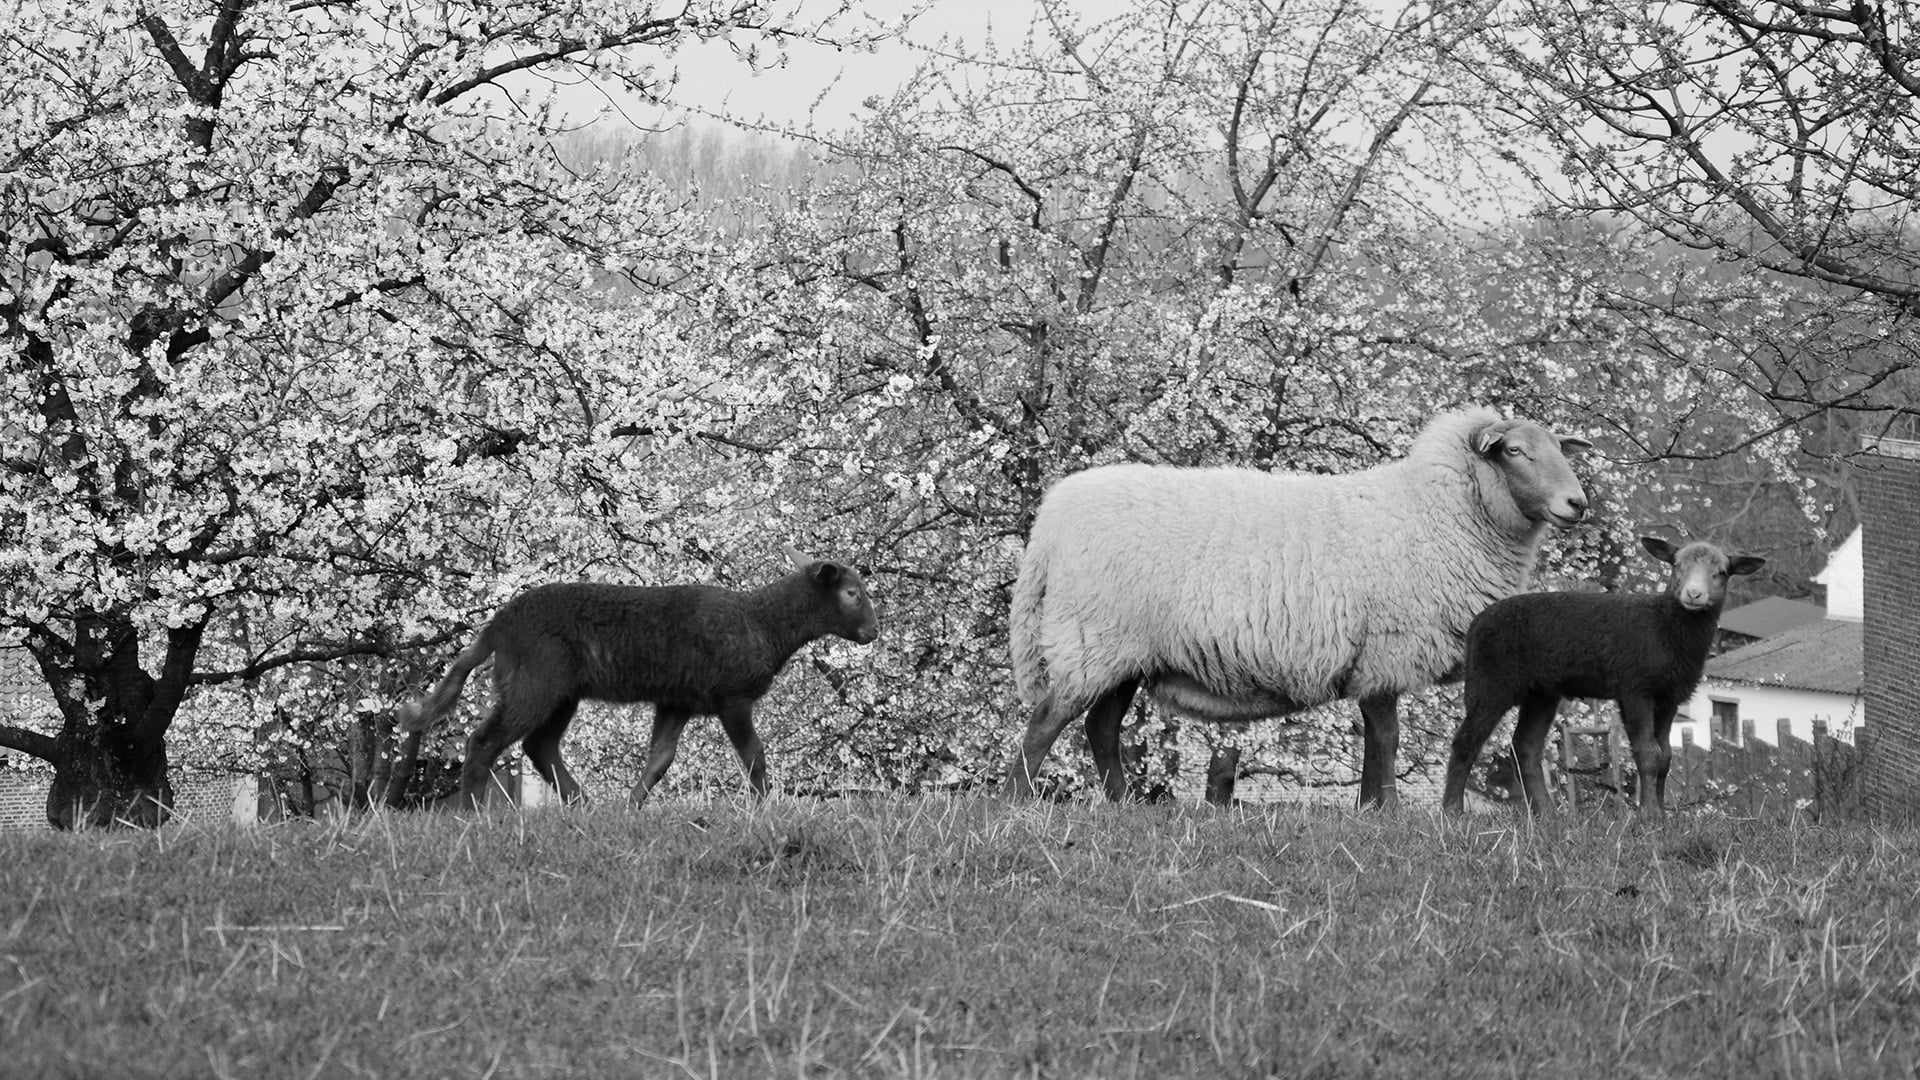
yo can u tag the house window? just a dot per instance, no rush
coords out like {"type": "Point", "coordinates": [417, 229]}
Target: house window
{"type": "Point", "coordinates": [1726, 722]}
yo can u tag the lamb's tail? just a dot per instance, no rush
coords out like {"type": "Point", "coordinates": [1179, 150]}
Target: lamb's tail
{"type": "Point", "coordinates": [426, 712]}
{"type": "Point", "coordinates": [1023, 623]}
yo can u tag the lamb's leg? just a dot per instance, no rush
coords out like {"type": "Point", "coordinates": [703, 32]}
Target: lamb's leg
{"type": "Point", "coordinates": [1380, 738]}
{"type": "Point", "coordinates": [1530, 730]}
{"type": "Point", "coordinates": [1483, 715]}
{"type": "Point", "coordinates": [667, 726]}
{"type": "Point", "coordinates": [1649, 758]}
{"type": "Point", "coordinates": [543, 750]}
{"type": "Point", "coordinates": [498, 731]}
{"type": "Point", "coordinates": [1049, 717]}
{"type": "Point", "coordinates": [1662, 752]}
{"type": "Point", "coordinates": [525, 695]}
{"type": "Point", "coordinates": [1103, 735]}
{"type": "Point", "coordinates": [736, 718]}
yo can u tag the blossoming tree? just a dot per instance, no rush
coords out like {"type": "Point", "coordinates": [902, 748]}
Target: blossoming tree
{"type": "Point", "coordinates": [314, 345]}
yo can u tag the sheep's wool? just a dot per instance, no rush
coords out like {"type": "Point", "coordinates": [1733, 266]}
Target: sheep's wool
{"type": "Point", "coordinates": [1237, 594]}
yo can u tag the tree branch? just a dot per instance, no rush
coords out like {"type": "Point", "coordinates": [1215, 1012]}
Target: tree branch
{"type": "Point", "coordinates": [44, 747]}
{"type": "Point", "coordinates": [323, 654]}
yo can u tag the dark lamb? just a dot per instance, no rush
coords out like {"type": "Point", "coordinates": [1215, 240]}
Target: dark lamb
{"type": "Point", "coordinates": [691, 650]}
{"type": "Point", "coordinates": [1645, 651]}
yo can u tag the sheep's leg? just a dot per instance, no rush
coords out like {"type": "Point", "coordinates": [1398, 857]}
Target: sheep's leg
{"type": "Point", "coordinates": [1049, 717]}
{"type": "Point", "coordinates": [1103, 736]}
{"type": "Point", "coordinates": [1380, 739]}
{"type": "Point", "coordinates": [665, 742]}
{"type": "Point", "coordinates": [1530, 730]}
{"type": "Point", "coordinates": [736, 718]}
{"type": "Point", "coordinates": [1650, 757]}
{"type": "Point", "coordinates": [1482, 717]}
{"type": "Point", "coordinates": [543, 749]}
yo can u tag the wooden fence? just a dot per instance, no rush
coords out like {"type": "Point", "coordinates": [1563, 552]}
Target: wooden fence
{"type": "Point", "coordinates": [1821, 777]}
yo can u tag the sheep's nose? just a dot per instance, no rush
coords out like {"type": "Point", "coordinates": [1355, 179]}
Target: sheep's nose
{"type": "Point", "coordinates": [1579, 505]}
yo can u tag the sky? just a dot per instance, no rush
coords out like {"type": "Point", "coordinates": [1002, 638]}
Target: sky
{"type": "Point", "coordinates": [711, 79]}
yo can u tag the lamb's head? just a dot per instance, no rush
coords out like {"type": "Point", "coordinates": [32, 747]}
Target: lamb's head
{"type": "Point", "coordinates": [1700, 571]}
{"type": "Point", "coordinates": [840, 590]}
{"type": "Point", "coordinates": [1533, 462]}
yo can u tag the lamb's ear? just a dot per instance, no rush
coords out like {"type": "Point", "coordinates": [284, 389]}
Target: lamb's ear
{"type": "Point", "coordinates": [1659, 549]}
{"type": "Point", "coordinates": [829, 574]}
{"type": "Point", "coordinates": [1572, 444]}
{"type": "Point", "coordinates": [1745, 564]}
{"type": "Point", "coordinates": [800, 561]}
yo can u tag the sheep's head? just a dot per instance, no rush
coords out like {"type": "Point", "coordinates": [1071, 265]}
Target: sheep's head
{"type": "Point", "coordinates": [854, 618]}
{"type": "Point", "coordinates": [1700, 571]}
{"type": "Point", "coordinates": [1533, 461]}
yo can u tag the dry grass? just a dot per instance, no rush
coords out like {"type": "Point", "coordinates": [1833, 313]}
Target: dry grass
{"type": "Point", "coordinates": [961, 938]}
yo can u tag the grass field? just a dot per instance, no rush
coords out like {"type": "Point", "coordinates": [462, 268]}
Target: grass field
{"type": "Point", "coordinates": [961, 938]}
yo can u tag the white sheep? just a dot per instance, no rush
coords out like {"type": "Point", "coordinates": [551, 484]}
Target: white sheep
{"type": "Point", "coordinates": [1234, 594]}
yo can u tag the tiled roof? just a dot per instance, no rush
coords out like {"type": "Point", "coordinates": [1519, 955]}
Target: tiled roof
{"type": "Point", "coordinates": [1824, 656]}
{"type": "Point", "coordinates": [1772, 615]}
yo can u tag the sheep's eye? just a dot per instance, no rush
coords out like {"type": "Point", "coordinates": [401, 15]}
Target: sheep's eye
{"type": "Point", "coordinates": [1514, 451]}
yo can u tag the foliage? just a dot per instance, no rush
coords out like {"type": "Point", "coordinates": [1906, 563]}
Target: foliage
{"type": "Point", "coordinates": [961, 938]}
{"type": "Point", "coordinates": [1187, 234]}
{"type": "Point", "coordinates": [1774, 136]}
{"type": "Point", "coordinates": [327, 333]}
{"type": "Point", "coordinates": [316, 346]}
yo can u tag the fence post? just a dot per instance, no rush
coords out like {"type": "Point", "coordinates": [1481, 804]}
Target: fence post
{"type": "Point", "coordinates": [1713, 763]}
{"type": "Point", "coordinates": [1795, 766]}
{"type": "Point", "coordinates": [1616, 751]}
{"type": "Point", "coordinates": [1566, 766]}
{"type": "Point", "coordinates": [1684, 789]}
{"type": "Point", "coordinates": [1223, 769]}
{"type": "Point", "coordinates": [1750, 745]}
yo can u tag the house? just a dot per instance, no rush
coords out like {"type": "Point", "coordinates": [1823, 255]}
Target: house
{"type": "Point", "coordinates": [1764, 618]}
{"type": "Point", "coordinates": [1800, 672]}
{"type": "Point", "coordinates": [1845, 579]}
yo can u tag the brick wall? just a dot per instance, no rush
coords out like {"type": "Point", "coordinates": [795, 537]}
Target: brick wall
{"type": "Point", "coordinates": [1890, 535]}
{"type": "Point", "coordinates": [24, 700]}
{"type": "Point", "coordinates": [23, 800]}
{"type": "Point", "coordinates": [199, 798]}
{"type": "Point", "coordinates": [23, 696]}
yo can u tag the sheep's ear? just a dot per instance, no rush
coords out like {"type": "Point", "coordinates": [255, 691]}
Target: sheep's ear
{"type": "Point", "coordinates": [829, 574]}
{"type": "Point", "coordinates": [1745, 564]}
{"type": "Point", "coordinates": [1573, 444]}
{"type": "Point", "coordinates": [800, 560]}
{"type": "Point", "coordinates": [1488, 438]}
{"type": "Point", "coordinates": [1659, 549]}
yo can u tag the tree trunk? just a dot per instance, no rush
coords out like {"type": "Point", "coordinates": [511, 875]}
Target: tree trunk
{"type": "Point", "coordinates": [363, 757]}
{"type": "Point", "coordinates": [109, 774]}
{"type": "Point", "coordinates": [110, 757]}
{"type": "Point", "coordinates": [1223, 771]}
{"type": "Point", "coordinates": [400, 769]}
